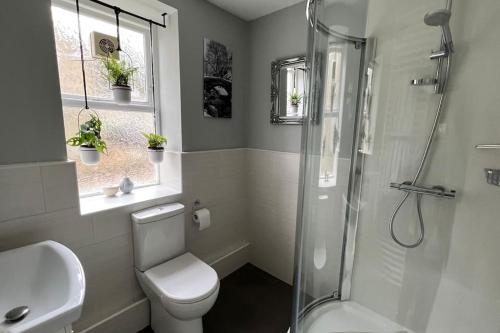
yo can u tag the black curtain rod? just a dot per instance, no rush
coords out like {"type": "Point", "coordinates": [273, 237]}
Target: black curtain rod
{"type": "Point", "coordinates": [119, 10]}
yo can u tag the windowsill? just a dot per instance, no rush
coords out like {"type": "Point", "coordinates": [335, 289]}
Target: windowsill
{"type": "Point", "coordinates": [101, 203]}
{"type": "Point", "coordinates": [327, 183]}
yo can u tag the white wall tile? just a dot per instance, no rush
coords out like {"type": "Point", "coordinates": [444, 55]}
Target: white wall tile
{"type": "Point", "coordinates": [272, 197]}
{"type": "Point", "coordinates": [231, 183]}
{"type": "Point", "coordinates": [21, 191]}
{"type": "Point", "coordinates": [102, 241]}
{"type": "Point", "coordinates": [450, 282]}
{"type": "Point", "coordinates": [218, 180]}
{"type": "Point", "coordinates": [66, 227]}
{"type": "Point", "coordinates": [111, 224]}
{"type": "Point", "coordinates": [60, 186]}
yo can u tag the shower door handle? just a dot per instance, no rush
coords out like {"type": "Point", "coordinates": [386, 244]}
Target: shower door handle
{"type": "Point", "coordinates": [488, 146]}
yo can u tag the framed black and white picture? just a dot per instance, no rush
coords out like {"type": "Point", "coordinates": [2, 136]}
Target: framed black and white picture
{"type": "Point", "coordinates": [217, 80]}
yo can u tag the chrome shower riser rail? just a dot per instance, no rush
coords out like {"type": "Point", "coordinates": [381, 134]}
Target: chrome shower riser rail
{"type": "Point", "coordinates": [436, 18]}
{"type": "Point", "coordinates": [435, 191]}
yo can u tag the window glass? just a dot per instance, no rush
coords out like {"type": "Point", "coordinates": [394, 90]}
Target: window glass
{"type": "Point", "coordinates": [330, 141]}
{"type": "Point", "coordinates": [127, 154]}
{"type": "Point", "coordinates": [68, 55]}
{"type": "Point", "coordinates": [123, 125]}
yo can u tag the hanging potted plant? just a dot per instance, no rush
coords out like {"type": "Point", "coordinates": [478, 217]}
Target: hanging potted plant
{"type": "Point", "coordinates": [155, 147]}
{"type": "Point", "coordinates": [119, 74]}
{"type": "Point", "coordinates": [89, 140]}
{"type": "Point", "coordinates": [295, 100]}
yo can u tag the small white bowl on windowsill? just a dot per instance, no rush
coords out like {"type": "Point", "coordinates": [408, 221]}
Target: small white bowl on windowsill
{"type": "Point", "coordinates": [110, 191]}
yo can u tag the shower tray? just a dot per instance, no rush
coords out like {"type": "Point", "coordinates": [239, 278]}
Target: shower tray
{"type": "Point", "coordinates": [348, 317]}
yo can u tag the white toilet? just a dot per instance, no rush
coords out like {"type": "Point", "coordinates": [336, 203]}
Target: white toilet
{"type": "Point", "coordinates": [180, 287]}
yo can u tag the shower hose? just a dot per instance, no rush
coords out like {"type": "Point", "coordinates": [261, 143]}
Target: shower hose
{"type": "Point", "coordinates": [425, 155]}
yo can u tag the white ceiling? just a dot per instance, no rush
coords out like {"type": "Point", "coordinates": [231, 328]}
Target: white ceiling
{"type": "Point", "coordinates": [251, 9]}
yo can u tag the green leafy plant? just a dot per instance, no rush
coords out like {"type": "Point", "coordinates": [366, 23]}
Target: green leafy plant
{"type": "Point", "coordinates": [117, 71]}
{"type": "Point", "coordinates": [89, 135]}
{"type": "Point", "coordinates": [155, 141]}
{"type": "Point", "coordinates": [295, 98]}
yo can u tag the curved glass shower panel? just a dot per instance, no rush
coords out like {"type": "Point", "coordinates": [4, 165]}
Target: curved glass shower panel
{"type": "Point", "coordinates": [329, 130]}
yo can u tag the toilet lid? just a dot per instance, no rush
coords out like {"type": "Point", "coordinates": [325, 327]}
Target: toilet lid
{"type": "Point", "coordinates": [184, 279]}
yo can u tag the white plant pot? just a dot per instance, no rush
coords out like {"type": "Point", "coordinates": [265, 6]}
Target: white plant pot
{"type": "Point", "coordinates": [89, 156]}
{"type": "Point", "coordinates": [156, 155]}
{"type": "Point", "coordinates": [295, 110]}
{"type": "Point", "coordinates": [122, 94]}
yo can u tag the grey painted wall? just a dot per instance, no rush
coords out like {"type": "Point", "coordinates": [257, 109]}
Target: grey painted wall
{"type": "Point", "coordinates": [29, 86]}
{"type": "Point", "coordinates": [277, 35]}
{"type": "Point", "coordinates": [284, 34]}
{"type": "Point", "coordinates": [199, 19]}
{"type": "Point", "coordinates": [255, 45]}
{"type": "Point", "coordinates": [32, 126]}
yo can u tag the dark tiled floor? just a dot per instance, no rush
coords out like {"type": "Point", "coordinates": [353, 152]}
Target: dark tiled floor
{"type": "Point", "coordinates": [250, 301]}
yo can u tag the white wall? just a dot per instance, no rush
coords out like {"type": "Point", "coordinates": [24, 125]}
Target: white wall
{"type": "Point", "coordinates": [218, 180]}
{"type": "Point", "coordinates": [272, 208]}
{"type": "Point", "coordinates": [39, 201]}
{"type": "Point", "coordinates": [450, 283]}
{"type": "Point", "coordinates": [252, 197]}
{"type": "Point", "coordinates": [273, 157]}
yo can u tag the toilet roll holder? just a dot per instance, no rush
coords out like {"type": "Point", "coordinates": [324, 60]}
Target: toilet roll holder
{"type": "Point", "coordinates": [196, 206]}
{"type": "Point", "coordinates": [202, 221]}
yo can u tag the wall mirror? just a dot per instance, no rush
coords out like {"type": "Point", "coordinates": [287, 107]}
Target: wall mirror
{"type": "Point", "coordinates": [287, 90]}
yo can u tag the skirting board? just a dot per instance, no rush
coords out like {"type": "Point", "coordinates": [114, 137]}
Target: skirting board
{"type": "Point", "coordinates": [136, 316]}
{"type": "Point", "coordinates": [131, 319]}
{"type": "Point", "coordinates": [232, 260]}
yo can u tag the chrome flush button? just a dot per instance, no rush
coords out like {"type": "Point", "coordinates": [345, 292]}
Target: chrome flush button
{"type": "Point", "coordinates": [17, 314]}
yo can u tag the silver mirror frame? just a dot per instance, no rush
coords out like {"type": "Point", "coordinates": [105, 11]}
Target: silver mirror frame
{"type": "Point", "coordinates": [275, 84]}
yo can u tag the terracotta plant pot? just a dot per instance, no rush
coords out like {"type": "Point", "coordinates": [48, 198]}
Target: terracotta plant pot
{"type": "Point", "coordinates": [89, 156]}
{"type": "Point", "coordinates": [156, 155]}
{"type": "Point", "coordinates": [122, 94]}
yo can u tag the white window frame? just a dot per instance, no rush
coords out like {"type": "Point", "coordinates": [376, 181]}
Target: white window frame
{"type": "Point", "coordinates": [335, 112]}
{"type": "Point", "coordinates": [69, 100]}
{"type": "Point", "coordinates": [100, 103]}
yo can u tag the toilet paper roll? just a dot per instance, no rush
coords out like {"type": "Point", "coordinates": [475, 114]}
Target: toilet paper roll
{"type": "Point", "coordinates": [202, 218]}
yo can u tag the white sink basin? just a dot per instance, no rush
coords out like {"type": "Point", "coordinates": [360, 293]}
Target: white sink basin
{"type": "Point", "coordinates": [49, 279]}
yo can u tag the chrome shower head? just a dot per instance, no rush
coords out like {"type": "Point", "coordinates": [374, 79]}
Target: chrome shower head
{"type": "Point", "coordinates": [437, 18]}
{"type": "Point", "coordinates": [441, 17]}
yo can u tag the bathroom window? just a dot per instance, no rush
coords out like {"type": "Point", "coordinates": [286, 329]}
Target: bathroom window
{"type": "Point", "coordinates": [123, 125]}
{"type": "Point", "coordinates": [332, 117]}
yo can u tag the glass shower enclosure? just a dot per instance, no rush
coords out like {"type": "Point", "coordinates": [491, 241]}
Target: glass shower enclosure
{"type": "Point", "coordinates": [337, 134]}
{"type": "Point", "coordinates": [374, 122]}
{"type": "Point", "coordinates": [330, 165]}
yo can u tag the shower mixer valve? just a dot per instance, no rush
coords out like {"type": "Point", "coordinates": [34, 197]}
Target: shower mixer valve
{"type": "Point", "coordinates": [436, 190]}
{"type": "Point", "coordinates": [492, 176]}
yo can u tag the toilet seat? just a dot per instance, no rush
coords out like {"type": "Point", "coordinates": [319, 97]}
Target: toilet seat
{"type": "Point", "coordinates": [182, 280]}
